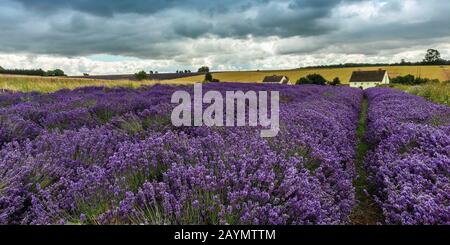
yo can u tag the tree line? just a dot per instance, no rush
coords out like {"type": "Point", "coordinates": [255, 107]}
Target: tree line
{"type": "Point", "coordinates": [318, 79]}
{"type": "Point", "coordinates": [412, 80]}
{"type": "Point", "coordinates": [432, 57]}
{"type": "Point", "coordinates": [32, 72]}
{"type": "Point", "coordinates": [409, 79]}
{"type": "Point", "coordinates": [142, 75]}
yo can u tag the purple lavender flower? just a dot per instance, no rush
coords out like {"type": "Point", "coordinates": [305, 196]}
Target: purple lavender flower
{"type": "Point", "coordinates": [110, 156]}
{"type": "Point", "coordinates": [410, 160]}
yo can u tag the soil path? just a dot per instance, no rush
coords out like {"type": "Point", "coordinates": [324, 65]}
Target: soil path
{"type": "Point", "coordinates": [366, 212]}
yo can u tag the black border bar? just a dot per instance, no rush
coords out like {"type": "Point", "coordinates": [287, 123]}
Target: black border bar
{"type": "Point", "coordinates": [310, 234]}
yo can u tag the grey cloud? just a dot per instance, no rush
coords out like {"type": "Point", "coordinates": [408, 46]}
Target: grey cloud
{"type": "Point", "coordinates": [100, 7]}
{"type": "Point", "coordinates": [298, 18]}
{"type": "Point", "coordinates": [158, 29]}
{"type": "Point", "coordinates": [148, 29]}
{"type": "Point", "coordinates": [110, 7]}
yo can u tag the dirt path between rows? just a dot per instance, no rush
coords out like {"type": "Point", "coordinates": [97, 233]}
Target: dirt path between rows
{"type": "Point", "coordinates": [366, 212]}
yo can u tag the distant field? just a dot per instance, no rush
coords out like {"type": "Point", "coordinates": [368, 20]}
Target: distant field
{"type": "Point", "coordinates": [155, 76]}
{"type": "Point", "coordinates": [51, 84]}
{"type": "Point", "coordinates": [433, 72]}
{"type": "Point", "coordinates": [47, 84]}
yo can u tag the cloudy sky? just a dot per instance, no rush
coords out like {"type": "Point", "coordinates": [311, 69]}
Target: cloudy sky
{"type": "Point", "coordinates": [116, 36]}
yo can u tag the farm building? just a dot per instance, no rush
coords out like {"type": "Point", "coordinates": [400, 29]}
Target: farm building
{"type": "Point", "coordinates": [369, 79]}
{"type": "Point", "coordinates": [276, 79]}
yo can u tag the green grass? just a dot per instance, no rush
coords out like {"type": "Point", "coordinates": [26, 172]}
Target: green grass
{"type": "Point", "coordinates": [366, 211]}
{"type": "Point", "coordinates": [48, 85]}
{"type": "Point", "coordinates": [91, 209]}
{"type": "Point", "coordinates": [435, 92]}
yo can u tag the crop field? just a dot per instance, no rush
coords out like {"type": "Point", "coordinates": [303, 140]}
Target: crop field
{"type": "Point", "coordinates": [111, 156]}
{"type": "Point", "coordinates": [99, 155]}
{"type": "Point", "coordinates": [409, 162]}
{"type": "Point", "coordinates": [49, 84]}
{"type": "Point", "coordinates": [53, 84]}
{"type": "Point", "coordinates": [432, 72]}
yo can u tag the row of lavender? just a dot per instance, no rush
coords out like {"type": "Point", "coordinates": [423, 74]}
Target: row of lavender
{"type": "Point", "coordinates": [410, 161]}
{"type": "Point", "coordinates": [111, 156]}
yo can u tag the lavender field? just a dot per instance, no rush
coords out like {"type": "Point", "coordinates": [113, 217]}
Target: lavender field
{"type": "Point", "coordinates": [111, 156]}
{"type": "Point", "coordinates": [410, 159]}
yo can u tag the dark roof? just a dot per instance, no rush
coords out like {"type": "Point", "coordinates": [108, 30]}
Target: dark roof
{"type": "Point", "coordinates": [274, 79]}
{"type": "Point", "coordinates": [368, 76]}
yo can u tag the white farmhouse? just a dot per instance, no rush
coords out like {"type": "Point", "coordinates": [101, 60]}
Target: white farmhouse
{"type": "Point", "coordinates": [276, 79]}
{"type": "Point", "coordinates": [369, 79]}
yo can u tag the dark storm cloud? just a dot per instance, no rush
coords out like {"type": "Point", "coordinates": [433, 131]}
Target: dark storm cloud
{"type": "Point", "coordinates": [286, 18]}
{"type": "Point", "coordinates": [111, 7]}
{"type": "Point", "coordinates": [149, 28]}
{"type": "Point", "coordinates": [373, 40]}
{"type": "Point", "coordinates": [159, 28]}
{"type": "Point", "coordinates": [101, 7]}
{"type": "Point", "coordinates": [300, 17]}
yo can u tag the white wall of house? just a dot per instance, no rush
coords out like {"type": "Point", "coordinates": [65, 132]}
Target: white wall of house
{"type": "Point", "coordinates": [284, 81]}
{"type": "Point", "coordinates": [364, 85]}
{"type": "Point", "coordinates": [386, 79]}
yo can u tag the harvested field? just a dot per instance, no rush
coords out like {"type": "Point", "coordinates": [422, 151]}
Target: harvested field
{"type": "Point", "coordinates": [159, 76]}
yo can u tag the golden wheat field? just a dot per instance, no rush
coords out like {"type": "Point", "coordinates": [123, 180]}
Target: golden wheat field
{"type": "Point", "coordinates": [51, 84]}
{"type": "Point", "coordinates": [433, 72]}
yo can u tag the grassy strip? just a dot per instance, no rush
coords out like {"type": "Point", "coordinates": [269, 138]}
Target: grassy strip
{"type": "Point", "coordinates": [366, 212]}
{"type": "Point", "coordinates": [435, 92]}
{"type": "Point", "coordinates": [53, 84]}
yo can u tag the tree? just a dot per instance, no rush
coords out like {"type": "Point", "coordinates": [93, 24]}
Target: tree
{"type": "Point", "coordinates": [1, 68]}
{"type": "Point", "coordinates": [312, 79]}
{"type": "Point", "coordinates": [317, 79]}
{"type": "Point", "coordinates": [55, 73]}
{"type": "Point", "coordinates": [203, 69]}
{"type": "Point", "coordinates": [411, 80]}
{"type": "Point", "coordinates": [38, 72]}
{"type": "Point", "coordinates": [58, 72]}
{"type": "Point", "coordinates": [302, 80]}
{"type": "Point", "coordinates": [407, 79]}
{"type": "Point", "coordinates": [208, 77]}
{"type": "Point", "coordinates": [432, 56]}
{"type": "Point", "coordinates": [336, 81]}
{"type": "Point", "coordinates": [141, 75]}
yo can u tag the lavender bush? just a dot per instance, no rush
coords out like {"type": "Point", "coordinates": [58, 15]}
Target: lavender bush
{"type": "Point", "coordinates": [410, 159]}
{"type": "Point", "coordinates": [111, 156]}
